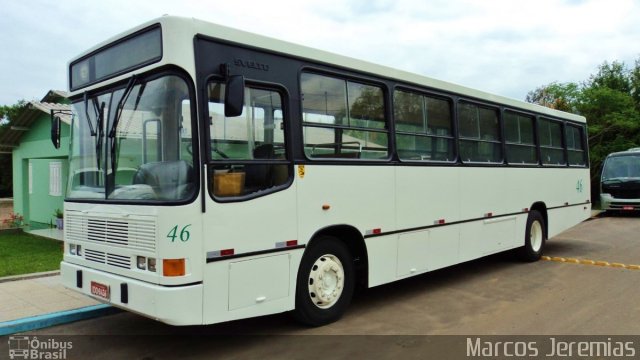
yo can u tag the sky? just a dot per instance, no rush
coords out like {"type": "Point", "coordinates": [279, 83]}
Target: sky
{"type": "Point", "coordinates": [505, 47]}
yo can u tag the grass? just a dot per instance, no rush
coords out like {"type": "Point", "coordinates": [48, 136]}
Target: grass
{"type": "Point", "coordinates": [22, 253]}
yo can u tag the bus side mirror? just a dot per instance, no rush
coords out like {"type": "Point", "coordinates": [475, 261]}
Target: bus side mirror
{"type": "Point", "coordinates": [55, 131]}
{"type": "Point", "coordinates": [234, 96]}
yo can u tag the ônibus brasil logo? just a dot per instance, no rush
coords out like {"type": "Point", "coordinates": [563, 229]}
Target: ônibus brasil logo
{"type": "Point", "coordinates": [26, 347]}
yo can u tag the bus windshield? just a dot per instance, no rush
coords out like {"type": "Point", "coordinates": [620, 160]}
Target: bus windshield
{"type": "Point", "coordinates": [625, 167]}
{"type": "Point", "coordinates": [147, 156]}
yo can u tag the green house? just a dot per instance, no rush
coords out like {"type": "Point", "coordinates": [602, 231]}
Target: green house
{"type": "Point", "coordinates": [39, 169]}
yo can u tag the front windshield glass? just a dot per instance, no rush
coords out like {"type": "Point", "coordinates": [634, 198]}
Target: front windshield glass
{"type": "Point", "coordinates": [147, 156]}
{"type": "Point", "coordinates": [622, 167]}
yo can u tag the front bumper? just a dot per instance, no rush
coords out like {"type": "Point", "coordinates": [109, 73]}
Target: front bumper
{"type": "Point", "coordinates": [174, 305]}
{"type": "Point", "coordinates": [608, 202]}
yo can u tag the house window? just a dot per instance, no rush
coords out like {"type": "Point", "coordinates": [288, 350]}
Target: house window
{"type": "Point", "coordinates": [55, 181]}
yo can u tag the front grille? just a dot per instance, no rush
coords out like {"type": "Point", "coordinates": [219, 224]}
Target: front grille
{"type": "Point", "coordinates": [625, 194]}
{"type": "Point", "coordinates": [120, 261]}
{"type": "Point", "coordinates": [136, 233]}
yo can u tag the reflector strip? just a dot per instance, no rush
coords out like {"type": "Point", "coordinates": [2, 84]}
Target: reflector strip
{"type": "Point", "coordinates": [292, 243]}
{"type": "Point", "coordinates": [375, 231]}
{"type": "Point", "coordinates": [219, 253]}
{"type": "Point", "coordinates": [227, 252]}
{"type": "Point", "coordinates": [284, 244]}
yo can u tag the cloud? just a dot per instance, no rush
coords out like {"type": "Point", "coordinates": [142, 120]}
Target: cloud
{"type": "Point", "coordinates": [504, 47]}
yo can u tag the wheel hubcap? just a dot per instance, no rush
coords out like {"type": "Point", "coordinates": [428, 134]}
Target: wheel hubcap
{"type": "Point", "coordinates": [535, 236]}
{"type": "Point", "coordinates": [326, 281]}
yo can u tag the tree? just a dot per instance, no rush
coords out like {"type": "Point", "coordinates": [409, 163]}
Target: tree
{"type": "Point", "coordinates": [614, 76]}
{"type": "Point", "coordinates": [7, 114]}
{"type": "Point", "coordinates": [635, 84]}
{"type": "Point", "coordinates": [559, 96]}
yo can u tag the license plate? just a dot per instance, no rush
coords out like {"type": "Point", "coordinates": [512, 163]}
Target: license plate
{"type": "Point", "coordinates": [100, 290]}
{"type": "Point", "coordinates": [627, 208]}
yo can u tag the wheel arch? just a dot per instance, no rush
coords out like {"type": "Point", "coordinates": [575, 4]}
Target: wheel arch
{"type": "Point", "coordinates": [354, 240]}
{"type": "Point", "coordinates": [541, 207]}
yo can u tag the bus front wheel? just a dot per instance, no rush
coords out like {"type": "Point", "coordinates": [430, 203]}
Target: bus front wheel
{"type": "Point", "coordinates": [534, 237]}
{"type": "Point", "coordinates": [325, 282]}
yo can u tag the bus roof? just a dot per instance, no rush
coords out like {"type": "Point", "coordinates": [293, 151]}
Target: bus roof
{"type": "Point", "coordinates": [189, 27]}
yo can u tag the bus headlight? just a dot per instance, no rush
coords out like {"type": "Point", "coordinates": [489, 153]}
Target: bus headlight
{"type": "Point", "coordinates": [74, 249]}
{"type": "Point", "coordinates": [142, 262]}
{"type": "Point", "coordinates": [151, 264]}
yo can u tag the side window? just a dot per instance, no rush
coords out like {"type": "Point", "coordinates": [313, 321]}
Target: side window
{"type": "Point", "coordinates": [247, 152]}
{"type": "Point", "coordinates": [551, 148]}
{"type": "Point", "coordinates": [479, 130]}
{"type": "Point", "coordinates": [423, 127]}
{"type": "Point", "coordinates": [575, 145]}
{"type": "Point", "coordinates": [343, 119]}
{"type": "Point", "coordinates": [519, 136]}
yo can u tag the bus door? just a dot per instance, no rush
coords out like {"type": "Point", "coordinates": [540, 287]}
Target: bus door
{"type": "Point", "coordinates": [251, 208]}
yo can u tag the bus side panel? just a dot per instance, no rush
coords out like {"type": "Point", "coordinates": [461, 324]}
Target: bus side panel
{"type": "Point", "coordinates": [249, 287]}
{"type": "Point", "coordinates": [383, 259]}
{"type": "Point", "coordinates": [482, 192]}
{"type": "Point", "coordinates": [357, 196]}
{"type": "Point", "coordinates": [425, 195]}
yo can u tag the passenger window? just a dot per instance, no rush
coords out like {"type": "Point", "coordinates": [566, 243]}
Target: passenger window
{"type": "Point", "coordinates": [551, 148]}
{"type": "Point", "coordinates": [423, 127]}
{"type": "Point", "coordinates": [479, 131]}
{"type": "Point", "coordinates": [343, 119]}
{"type": "Point", "coordinates": [248, 152]}
{"type": "Point", "coordinates": [575, 145]}
{"type": "Point", "coordinates": [519, 136]}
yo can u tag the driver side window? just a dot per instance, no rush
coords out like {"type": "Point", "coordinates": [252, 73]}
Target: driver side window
{"type": "Point", "coordinates": [248, 152]}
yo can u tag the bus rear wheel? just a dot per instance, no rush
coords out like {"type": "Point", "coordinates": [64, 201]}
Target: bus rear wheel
{"type": "Point", "coordinates": [325, 283]}
{"type": "Point", "coordinates": [535, 238]}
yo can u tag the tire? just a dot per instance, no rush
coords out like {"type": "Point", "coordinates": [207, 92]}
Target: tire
{"type": "Point", "coordinates": [325, 284]}
{"type": "Point", "coordinates": [535, 238]}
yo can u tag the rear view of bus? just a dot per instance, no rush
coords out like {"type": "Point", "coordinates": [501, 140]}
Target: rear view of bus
{"type": "Point", "coordinates": [620, 182]}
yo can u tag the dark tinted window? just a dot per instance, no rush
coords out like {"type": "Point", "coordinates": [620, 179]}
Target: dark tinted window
{"type": "Point", "coordinates": [551, 148]}
{"type": "Point", "coordinates": [519, 136]}
{"type": "Point", "coordinates": [343, 119]}
{"type": "Point", "coordinates": [479, 130]}
{"type": "Point", "coordinates": [423, 127]}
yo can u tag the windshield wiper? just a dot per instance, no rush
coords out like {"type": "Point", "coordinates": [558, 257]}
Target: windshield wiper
{"type": "Point", "coordinates": [99, 124]}
{"type": "Point", "coordinates": [112, 133]}
{"type": "Point", "coordinates": [127, 91]}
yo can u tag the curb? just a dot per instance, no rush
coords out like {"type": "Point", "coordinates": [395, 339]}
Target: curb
{"type": "Point", "coordinates": [56, 318]}
{"type": "Point", "coordinates": [29, 276]}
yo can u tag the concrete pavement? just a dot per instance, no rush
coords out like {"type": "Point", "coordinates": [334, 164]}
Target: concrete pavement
{"type": "Point", "coordinates": [35, 301]}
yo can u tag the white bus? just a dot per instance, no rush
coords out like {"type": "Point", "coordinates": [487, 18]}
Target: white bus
{"type": "Point", "coordinates": [620, 181]}
{"type": "Point", "coordinates": [218, 175]}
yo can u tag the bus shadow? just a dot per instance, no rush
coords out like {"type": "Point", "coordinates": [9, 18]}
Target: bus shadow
{"type": "Point", "coordinates": [364, 300]}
